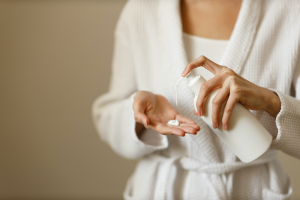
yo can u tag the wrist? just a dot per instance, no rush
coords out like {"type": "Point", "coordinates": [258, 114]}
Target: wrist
{"type": "Point", "coordinates": [273, 104]}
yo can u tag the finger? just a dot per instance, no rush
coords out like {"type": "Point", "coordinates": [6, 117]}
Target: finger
{"type": "Point", "coordinates": [167, 130]}
{"type": "Point", "coordinates": [195, 112]}
{"type": "Point", "coordinates": [188, 129]}
{"type": "Point", "coordinates": [205, 89]}
{"type": "Point", "coordinates": [217, 102]}
{"type": "Point", "coordinates": [184, 119]}
{"type": "Point", "coordinates": [195, 126]}
{"type": "Point", "coordinates": [139, 113]}
{"type": "Point", "coordinates": [228, 110]}
{"type": "Point", "coordinates": [205, 62]}
{"type": "Point", "coordinates": [142, 118]}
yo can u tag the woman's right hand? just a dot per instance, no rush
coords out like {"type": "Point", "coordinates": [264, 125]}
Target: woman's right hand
{"type": "Point", "coordinates": [154, 112]}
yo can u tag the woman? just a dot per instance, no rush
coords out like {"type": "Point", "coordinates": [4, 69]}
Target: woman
{"type": "Point", "coordinates": [256, 45]}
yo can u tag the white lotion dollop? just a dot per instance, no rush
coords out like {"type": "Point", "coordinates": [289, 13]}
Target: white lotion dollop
{"type": "Point", "coordinates": [174, 122]}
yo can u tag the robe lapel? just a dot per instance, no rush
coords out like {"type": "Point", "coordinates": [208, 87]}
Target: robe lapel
{"type": "Point", "coordinates": [171, 29]}
{"type": "Point", "coordinates": [239, 44]}
{"type": "Point", "coordinates": [242, 36]}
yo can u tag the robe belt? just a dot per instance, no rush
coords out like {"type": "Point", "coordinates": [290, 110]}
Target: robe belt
{"type": "Point", "coordinates": [188, 163]}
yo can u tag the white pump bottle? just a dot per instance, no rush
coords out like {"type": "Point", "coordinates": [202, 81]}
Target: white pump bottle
{"type": "Point", "coordinates": [246, 136]}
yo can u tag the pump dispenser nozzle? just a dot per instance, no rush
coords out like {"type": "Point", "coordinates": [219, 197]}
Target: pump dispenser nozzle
{"type": "Point", "coordinates": [191, 75]}
{"type": "Point", "coordinates": [195, 81]}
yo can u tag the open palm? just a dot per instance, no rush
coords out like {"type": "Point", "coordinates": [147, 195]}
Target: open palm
{"type": "Point", "coordinates": [154, 111]}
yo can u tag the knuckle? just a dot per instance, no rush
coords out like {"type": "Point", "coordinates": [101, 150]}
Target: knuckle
{"type": "Point", "coordinates": [228, 110]}
{"type": "Point", "coordinates": [204, 87]}
{"type": "Point", "coordinates": [227, 70]}
{"type": "Point", "coordinates": [226, 73]}
{"type": "Point", "coordinates": [232, 79]}
{"type": "Point", "coordinates": [215, 102]}
{"type": "Point", "coordinates": [202, 57]}
{"type": "Point", "coordinates": [224, 69]}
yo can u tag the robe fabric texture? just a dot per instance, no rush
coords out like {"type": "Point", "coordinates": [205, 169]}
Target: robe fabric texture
{"type": "Point", "coordinates": [149, 55]}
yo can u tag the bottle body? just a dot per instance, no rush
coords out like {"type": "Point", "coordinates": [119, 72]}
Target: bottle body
{"type": "Point", "coordinates": [246, 136]}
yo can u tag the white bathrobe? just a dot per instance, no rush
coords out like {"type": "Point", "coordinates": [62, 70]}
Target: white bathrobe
{"type": "Point", "coordinates": [150, 55]}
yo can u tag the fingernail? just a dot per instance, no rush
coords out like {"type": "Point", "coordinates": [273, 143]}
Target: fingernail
{"type": "Point", "coordinates": [183, 73]}
{"type": "Point", "coordinates": [145, 122]}
{"type": "Point", "coordinates": [224, 127]}
{"type": "Point", "coordinates": [199, 113]}
{"type": "Point", "coordinates": [215, 125]}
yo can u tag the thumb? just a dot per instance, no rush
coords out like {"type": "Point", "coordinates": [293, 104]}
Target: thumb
{"type": "Point", "coordinates": [139, 113]}
{"type": "Point", "coordinates": [141, 118]}
{"type": "Point", "coordinates": [144, 119]}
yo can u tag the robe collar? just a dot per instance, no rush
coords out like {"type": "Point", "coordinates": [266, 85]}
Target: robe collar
{"type": "Point", "coordinates": [239, 44]}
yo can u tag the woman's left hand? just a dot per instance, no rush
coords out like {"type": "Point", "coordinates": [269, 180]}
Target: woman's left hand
{"type": "Point", "coordinates": [236, 87]}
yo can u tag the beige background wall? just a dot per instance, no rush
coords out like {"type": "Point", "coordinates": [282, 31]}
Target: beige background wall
{"type": "Point", "coordinates": [54, 61]}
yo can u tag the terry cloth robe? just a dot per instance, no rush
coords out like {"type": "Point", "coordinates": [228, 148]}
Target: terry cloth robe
{"type": "Point", "coordinates": [149, 54]}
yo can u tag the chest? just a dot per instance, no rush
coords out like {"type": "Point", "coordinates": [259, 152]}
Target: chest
{"type": "Point", "coordinates": [209, 19]}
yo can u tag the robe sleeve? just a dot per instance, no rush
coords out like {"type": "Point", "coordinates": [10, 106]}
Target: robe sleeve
{"type": "Point", "coordinates": [288, 120]}
{"type": "Point", "coordinates": [112, 112]}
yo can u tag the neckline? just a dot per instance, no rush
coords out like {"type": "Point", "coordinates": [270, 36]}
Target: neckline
{"type": "Point", "coordinates": [236, 51]}
{"type": "Point", "coordinates": [241, 38]}
{"type": "Point", "coordinates": [195, 37]}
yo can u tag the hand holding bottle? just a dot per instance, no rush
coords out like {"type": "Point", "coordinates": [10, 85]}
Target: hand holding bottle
{"type": "Point", "coordinates": [236, 87]}
{"type": "Point", "coordinates": [154, 112]}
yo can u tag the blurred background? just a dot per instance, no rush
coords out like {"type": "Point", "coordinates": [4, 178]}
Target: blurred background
{"type": "Point", "coordinates": [55, 58]}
